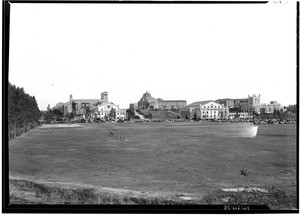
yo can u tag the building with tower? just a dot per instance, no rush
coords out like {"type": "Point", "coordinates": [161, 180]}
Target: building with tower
{"type": "Point", "coordinates": [147, 101]}
{"type": "Point", "coordinates": [254, 103]}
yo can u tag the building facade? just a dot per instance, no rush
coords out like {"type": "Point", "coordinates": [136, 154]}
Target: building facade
{"type": "Point", "coordinates": [241, 105]}
{"type": "Point", "coordinates": [171, 104]}
{"type": "Point", "coordinates": [103, 111]}
{"type": "Point", "coordinates": [148, 102]}
{"type": "Point", "coordinates": [270, 107]}
{"type": "Point", "coordinates": [238, 115]}
{"type": "Point", "coordinates": [91, 108]}
{"type": "Point", "coordinates": [208, 110]}
{"type": "Point", "coordinates": [254, 103]}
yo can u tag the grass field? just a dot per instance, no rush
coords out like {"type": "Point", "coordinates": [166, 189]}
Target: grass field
{"type": "Point", "coordinates": [179, 162]}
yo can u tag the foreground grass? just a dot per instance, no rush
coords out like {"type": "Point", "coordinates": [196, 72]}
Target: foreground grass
{"type": "Point", "coordinates": [275, 199]}
{"type": "Point", "coordinates": [28, 192]}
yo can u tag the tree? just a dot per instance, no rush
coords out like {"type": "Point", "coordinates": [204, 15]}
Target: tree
{"type": "Point", "coordinates": [57, 113]}
{"type": "Point", "coordinates": [147, 104]}
{"type": "Point", "coordinates": [195, 115]}
{"type": "Point", "coordinates": [74, 106]}
{"type": "Point", "coordinates": [112, 113]}
{"type": "Point", "coordinates": [237, 115]}
{"type": "Point", "coordinates": [49, 115]}
{"type": "Point", "coordinates": [70, 115]}
{"type": "Point", "coordinates": [23, 112]}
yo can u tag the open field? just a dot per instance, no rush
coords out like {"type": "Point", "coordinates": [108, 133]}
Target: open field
{"type": "Point", "coordinates": [181, 162]}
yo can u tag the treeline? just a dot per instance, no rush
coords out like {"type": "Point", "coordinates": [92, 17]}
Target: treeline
{"type": "Point", "coordinates": [23, 112]}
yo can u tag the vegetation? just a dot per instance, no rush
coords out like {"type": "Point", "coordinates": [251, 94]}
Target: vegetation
{"type": "Point", "coordinates": [276, 198]}
{"type": "Point", "coordinates": [53, 114]}
{"type": "Point", "coordinates": [112, 113]}
{"type": "Point", "coordinates": [154, 160]}
{"type": "Point", "coordinates": [280, 115]}
{"type": "Point", "coordinates": [23, 112]}
{"type": "Point", "coordinates": [47, 193]}
{"type": "Point", "coordinates": [130, 114]}
{"type": "Point", "coordinates": [292, 108]}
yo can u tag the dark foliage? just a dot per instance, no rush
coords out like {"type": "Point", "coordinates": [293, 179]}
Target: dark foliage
{"type": "Point", "coordinates": [23, 112]}
{"type": "Point", "coordinates": [292, 108]}
{"type": "Point", "coordinates": [129, 113]}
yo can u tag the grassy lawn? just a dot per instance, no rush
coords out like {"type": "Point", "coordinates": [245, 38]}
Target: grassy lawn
{"type": "Point", "coordinates": [170, 160]}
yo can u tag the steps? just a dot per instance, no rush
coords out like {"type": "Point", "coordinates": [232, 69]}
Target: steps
{"type": "Point", "coordinates": [137, 114]}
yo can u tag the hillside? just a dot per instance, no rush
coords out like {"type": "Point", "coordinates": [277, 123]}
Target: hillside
{"type": "Point", "coordinates": [160, 114]}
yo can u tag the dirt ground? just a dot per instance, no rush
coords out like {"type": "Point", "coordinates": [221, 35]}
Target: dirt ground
{"type": "Point", "coordinates": [179, 158]}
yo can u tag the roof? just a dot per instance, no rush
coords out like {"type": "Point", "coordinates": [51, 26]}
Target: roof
{"type": "Point", "coordinates": [172, 100]}
{"type": "Point", "coordinates": [196, 104]}
{"type": "Point", "coordinates": [230, 99]}
{"type": "Point", "coordinates": [87, 100]}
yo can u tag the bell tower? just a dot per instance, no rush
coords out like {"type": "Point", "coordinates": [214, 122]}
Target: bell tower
{"type": "Point", "coordinates": [71, 98]}
{"type": "Point", "coordinates": [104, 96]}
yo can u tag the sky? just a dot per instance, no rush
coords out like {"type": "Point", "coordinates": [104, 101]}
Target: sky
{"type": "Point", "coordinates": [189, 52]}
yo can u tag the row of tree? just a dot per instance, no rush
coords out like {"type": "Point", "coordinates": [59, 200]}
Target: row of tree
{"type": "Point", "coordinates": [23, 111]}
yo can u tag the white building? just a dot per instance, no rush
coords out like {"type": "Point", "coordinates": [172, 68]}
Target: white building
{"type": "Point", "coordinates": [208, 110]}
{"type": "Point", "coordinates": [104, 109]}
{"type": "Point", "coordinates": [271, 107]}
{"type": "Point", "coordinates": [241, 115]}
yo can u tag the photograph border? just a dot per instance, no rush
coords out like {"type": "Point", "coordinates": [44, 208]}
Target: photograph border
{"type": "Point", "coordinates": [7, 208]}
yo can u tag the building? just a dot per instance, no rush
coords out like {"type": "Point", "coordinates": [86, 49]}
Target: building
{"type": "Point", "coordinates": [208, 110]}
{"type": "Point", "coordinates": [91, 107]}
{"type": "Point", "coordinates": [227, 102]}
{"type": "Point", "coordinates": [254, 103]}
{"type": "Point", "coordinates": [103, 111]}
{"type": "Point", "coordinates": [241, 105]}
{"type": "Point", "coordinates": [184, 113]}
{"type": "Point", "coordinates": [133, 106]}
{"type": "Point", "coordinates": [238, 115]}
{"type": "Point", "coordinates": [170, 104]}
{"type": "Point", "coordinates": [148, 102]}
{"type": "Point", "coordinates": [270, 107]}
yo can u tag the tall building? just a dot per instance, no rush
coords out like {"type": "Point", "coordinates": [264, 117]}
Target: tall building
{"type": "Point", "coordinates": [147, 101]}
{"type": "Point", "coordinates": [254, 103]}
